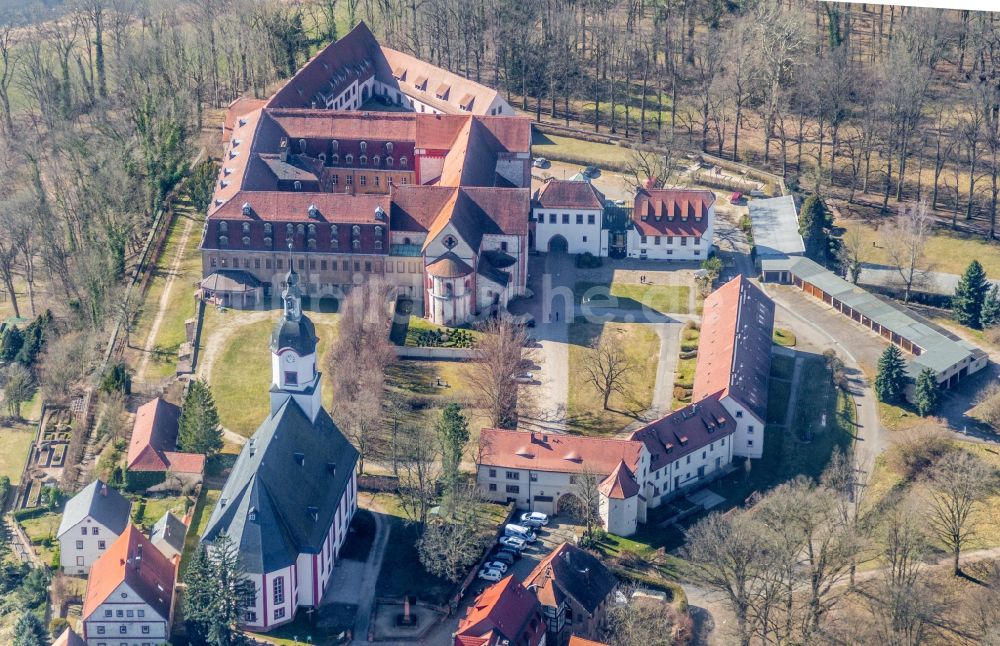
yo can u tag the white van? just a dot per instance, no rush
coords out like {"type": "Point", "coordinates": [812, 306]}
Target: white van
{"type": "Point", "coordinates": [520, 531]}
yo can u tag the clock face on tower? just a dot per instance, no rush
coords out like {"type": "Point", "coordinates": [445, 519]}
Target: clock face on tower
{"type": "Point", "coordinates": [289, 358]}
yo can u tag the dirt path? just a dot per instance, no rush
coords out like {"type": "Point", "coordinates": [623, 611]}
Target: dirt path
{"type": "Point", "coordinates": [154, 330]}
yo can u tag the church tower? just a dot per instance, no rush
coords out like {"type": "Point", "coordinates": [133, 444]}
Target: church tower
{"type": "Point", "coordinates": [293, 353]}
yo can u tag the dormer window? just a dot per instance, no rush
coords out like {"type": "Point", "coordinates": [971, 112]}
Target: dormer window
{"type": "Point", "coordinates": [300, 459]}
{"type": "Point", "coordinates": [223, 241]}
{"type": "Point", "coordinates": [378, 232]}
{"type": "Point", "coordinates": [301, 229]}
{"type": "Point", "coordinates": [375, 160]}
{"type": "Point", "coordinates": [311, 230]}
{"type": "Point", "coordinates": [246, 241]}
{"type": "Point", "coordinates": [348, 158]}
{"type": "Point", "coordinates": [378, 244]}
{"type": "Point", "coordinates": [246, 227]}
{"type": "Point", "coordinates": [388, 162]}
{"type": "Point", "coordinates": [388, 146]}
{"type": "Point", "coordinates": [334, 144]}
{"type": "Point", "coordinates": [246, 208]}
{"type": "Point", "coordinates": [356, 230]}
{"type": "Point", "coordinates": [333, 230]}
{"type": "Point", "coordinates": [289, 228]}
{"type": "Point", "coordinates": [223, 227]}
{"type": "Point", "coordinates": [322, 157]}
{"type": "Point", "coordinates": [313, 213]}
{"type": "Point", "coordinates": [334, 159]}
{"type": "Point", "coordinates": [311, 243]}
{"type": "Point", "coordinates": [267, 228]}
{"type": "Point", "coordinates": [302, 145]}
{"type": "Point", "coordinates": [363, 146]}
{"type": "Point", "coordinates": [356, 244]}
{"type": "Point", "coordinates": [297, 185]}
{"type": "Point", "coordinates": [402, 162]}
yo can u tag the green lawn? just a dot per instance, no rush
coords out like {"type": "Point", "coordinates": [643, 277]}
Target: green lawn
{"type": "Point", "coordinates": [584, 409]}
{"type": "Point", "coordinates": [783, 337]}
{"type": "Point", "coordinates": [578, 150]}
{"type": "Point", "coordinates": [241, 375]}
{"type": "Point", "coordinates": [157, 507]}
{"type": "Point", "coordinates": [340, 617]}
{"type": "Point", "coordinates": [782, 366]}
{"type": "Point", "coordinates": [949, 251]}
{"type": "Point", "coordinates": [419, 330]}
{"type": "Point", "coordinates": [199, 521]}
{"type": "Point", "coordinates": [899, 417]}
{"type": "Point", "coordinates": [634, 296]}
{"type": "Point", "coordinates": [16, 442]}
{"type": "Point", "coordinates": [777, 400]}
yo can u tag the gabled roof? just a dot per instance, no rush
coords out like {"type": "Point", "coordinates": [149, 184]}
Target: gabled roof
{"type": "Point", "coordinates": [685, 431]}
{"type": "Point", "coordinates": [620, 484]}
{"type": "Point", "coordinates": [473, 212]}
{"type": "Point", "coordinates": [555, 451]}
{"type": "Point", "coordinates": [69, 638]}
{"type": "Point", "coordinates": [564, 193]}
{"type": "Point", "coordinates": [505, 610]}
{"type": "Point", "coordinates": [100, 502]}
{"type": "Point", "coordinates": [169, 530]}
{"type": "Point", "coordinates": [672, 212]}
{"type": "Point", "coordinates": [569, 571]}
{"type": "Point", "coordinates": [153, 432]}
{"type": "Point", "coordinates": [580, 641]}
{"type": "Point", "coordinates": [734, 351]}
{"type": "Point", "coordinates": [275, 507]}
{"type": "Point", "coordinates": [132, 560]}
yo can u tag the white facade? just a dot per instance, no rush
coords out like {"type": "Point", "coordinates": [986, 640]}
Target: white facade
{"type": "Point", "coordinates": [124, 619]}
{"type": "Point", "coordinates": [620, 517]}
{"type": "Point", "coordinates": [82, 544]}
{"type": "Point", "coordinates": [581, 228]}
{"type": "Point", "coordinates": [671, 247]}
{"type": "Point", "coordinates": [689, 470]}
{"type": "Point", "coordinates": [748, 440]}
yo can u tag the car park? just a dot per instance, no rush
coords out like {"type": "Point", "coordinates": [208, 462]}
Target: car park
{"type": "Point", "coordinates": [513, 542]}
{"type": "Point", "coordinates": [520, 531]}
{"type": "Point", "coordinates": [489, 574]}
{"type": "Point", "coordinates": [534, 519]}
{"type": "Point", "coordinates": [495, 565]}
{"type": "Point", "coordinates": [503, 556]}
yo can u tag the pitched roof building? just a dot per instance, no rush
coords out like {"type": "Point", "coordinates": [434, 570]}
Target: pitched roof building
{"type": "Point", "coordinates": [168, 536]}
{"type": "Point", "coordinates": [573, 587]}
{"type": "Point", "coordinates": [290, 497]}
{"type": "Point", "coordinates": [153, 444]}
{"type": "Point", "coordinates": [69, 638]}
{"type": "Point", "coordinates": [91, 520]}
{"type": "Point", "coordinates": [504, 614]}
{"type": "Point", "coordinates": [130, 593]}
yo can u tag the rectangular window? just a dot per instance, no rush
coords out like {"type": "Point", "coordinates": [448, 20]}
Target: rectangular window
{"type": "Point", "coordinates": [368, 266]}
{"type": "Point", "coordinates": [291, 377]}
{"type": "Point", "coordinates": [739, 414]}
{"type": "Point", "coordinates": [322, 265]}
{"type": "Point", "coordinates": [364, 180]}
{"type": "Point", "coordinates": [107, 613]}
{"type": "Point", "coordinates": [579, 218]}
{"type": "Point", "coordinates": [100, 630]}
{"type": "Point", "coordinates": [256, 263]}
{"type": "Point", "coordinates": [493, 473]}
{"type": "Point", "coordinates": [670, 240]}
{"type": "Point", "coordinates": [552, 218]}
{"type": "Point", "coordinates": [357, 266]}
{"type": "Point", "coordinates": [513, 489]}
{"type": "Point", "coordinates": [101, 545]}
{"type": "Point", "coordinates": [122, 629]}
{"type": "Point", "coordinates": [212, 261]}
{"type": "Point", "coordinates": [302, 264]}
{"type": "Point", "coordinates": [333, 179]}
{"type": "Point", "coordinates": [312, 265]}
{"type": "Point", "coordinates": [750, 430]}
{"type": "Point", "coordinates": [688, 460]}
{"type": "Point", "coordinates": [279, 590]}
{"type": "Point", "coordinates": [350, 180]}
{"type": "Point", "coordinates": [723, 442]}
{"type": "Point", "coordinates": [400, 268]}
{"type": "Point", "coordinates": [83, 531]}
{"type": "Point", "coordinates": [584, 238]}
{"type": "Point", "coordinates": [129, 613]}
{"type": "Point", "coordinates": [656, 240]}
{"type": "Point", "coordinates": [278, 262]}
{"type": "Point", "coordinates": [279, 613]}
{"type": "Point", "coordinates": [642, 239]}
{"type": "Point", "coordinates": [79, 545]}
{"type": "Point", "coordinates": [493, 486]}
{"type": "Point", "coordinates": [697, 252]}
{"type": "Point", "coordinates": [145, 630]}
{"type": "Point", "coordinates": [697, 241]}
{"type": "Point", "coordinates": [590, 218]}
{"type": "Point", "coordinates": [513, 475]}
{"type": "Point", "coordinates": [344, 266]}
{"type": "Point", "coordinates": [267, 263]}
{"type": "Point", "coordinates": [684, 242]}
{"type": "Point", "coordinates": [119, 613]}
{"type": "Point", "coordinates": [565, 219]}
{"type": "Point", "coordinates": [140, 613]}
{"type": "Point", "coordinates": [749, 442]}
{"type": "Point", "coordinates": [503, 246]}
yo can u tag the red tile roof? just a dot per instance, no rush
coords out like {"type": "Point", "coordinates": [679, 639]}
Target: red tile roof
{"type": "Point", "coordinates": [69, 638]}
{"type": "Point", "coordinates": [580, 641]}
{"type": "Point", "coordinates": [570, 194]}
{"type": "Point", "coordinates": [734, 351]}
{"type": "Point", "coordinates": [555, 452]}
{"type": "Point", "coordinates": [672, 212]}
{"type": "Point", "coordinates": [685, 431]}
{"type": "Point", "coordinates": [505, 610]}
{"type": "Point", "coordinates": [238, 108]}
{"type": "Point", "coordinates": [281, 206]}
{"type": "Point", "coordinates": [620, 484]}
{"type": "Point", "coordinates": [338, 124]}
{"type": "Point", "coordinates": [154, 438]}
{"type": "Point", "coordinates": [132, 559]}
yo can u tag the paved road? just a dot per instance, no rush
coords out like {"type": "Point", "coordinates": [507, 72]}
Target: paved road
{"type": "Point", "coordinates": [932, 282]}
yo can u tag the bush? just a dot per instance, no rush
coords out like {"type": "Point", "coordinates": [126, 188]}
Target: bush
{"type": "Point", "coordinates": [688, 352]}
{"type": "Point", "coordinates": [681, 393]}
{"type": "Point", "coordinates": [140, 481]}
{"type": "Point", "coordinates": [140, 511]}
{"type": "Point", "coordinates": [917, 453]}
{"type": "Point", "coordinates": [58, 626]}
{"type": "Point", "coordinates": [588, 260]}
{"type": "Point", "coordinates": [117, 379]}
{"type": "Point", "coordinates": [26, 514]}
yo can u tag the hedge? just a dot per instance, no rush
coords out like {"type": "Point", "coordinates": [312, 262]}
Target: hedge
{"type": "Point", "coordinates": [672, 588]}
{"type": "Point", "coordinates": [139, 481]}
{"type": "Point", "coordinates": [32, 512]}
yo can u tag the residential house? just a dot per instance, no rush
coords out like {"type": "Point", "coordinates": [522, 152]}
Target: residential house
{"type": "Point", "coordinates": [734, 358]}
{"type": "Point", "coordinates": [568, 216]}
{"type": "Point", "coordinates": [505, 614]}
{"type": "Point", "coordinates": [168, 536]}
{"type": "Point", "coordinates": [573, 587]}
{"type": "Point", "coordinates": [672, 224]}
{"type": "Point", "coordinates": [92, 520]}
{"type": "Point", "coordinates": [69, 638]}
{"type": "Point", "coordinates": [130, 594]}
{"type": "Point", "coordinates": [153, 446]}
{"type": "Point", "coordinates": [289, 499]}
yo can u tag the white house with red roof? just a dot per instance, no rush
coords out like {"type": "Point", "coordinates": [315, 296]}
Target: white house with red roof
{"type": "Point", "coordinates": [130, 594]}
{"type": "Point", "coordinates": [734, 359]}
{"type": "Point", "coordinates": [672, 224]}
{"type": "Point", "coordinates": [505, 614]}
{"type": "Point", "coordinates": [568, 215]}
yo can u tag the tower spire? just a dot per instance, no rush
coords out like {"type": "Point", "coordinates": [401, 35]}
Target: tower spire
{"type": "Point", "coordinates": [292, 295]}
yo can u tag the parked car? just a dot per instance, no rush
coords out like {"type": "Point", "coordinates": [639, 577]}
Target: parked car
{"type": "Point", "coordinates": [495, 565]}
{"type": "Point", "coordinates": [513, 542]}
{"type": "Point", "coordinates": [591, 171]}
{"type": "Point", "coordinates": [520, 531]}
{"type": "Point", "coordinates": [489, 574]}
{"type": "Point", "coordinates": [619, 202]}
{"type": "Point", "coordinates": [736, 198]}
{"type": "Point", "coordinates": [540, 162]}
{"type": "Point", "coordinates": [503, 556]}
{"type": "Point", "coordinates": [534, 519]}
{"type": "Point", "coordinates": [524, 377]}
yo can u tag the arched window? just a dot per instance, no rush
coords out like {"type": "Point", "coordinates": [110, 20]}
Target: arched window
{"type": "Point", "coordinates": [267, 241]}
{"type": "Point", "coordinates": [388, 161]}
{"type": "Point", "coordinates": [297, 185]}
{"type": "Point", "coordinates": [356, 230]}
{"type": "Point", "coordinates": [334, 144]}
{"type": "Point", "coordinates": [406, 241]}
{"type": "Point", "coordinates": [378, 232]}
{"type": "Point", "coordinates": [322, 157]}
{"type": "Point", "coordinates": [223, 227]}
{"type": "Point", "coordinates": [378, 244]}
{"type": "Point", "coordinates": [267, 228]}
{"type": "Point", "coordinates": [375, 160]}
{"type": "Point", "coordinates": [301, 229]}
{"type": "Point", "coordinates": [246, 241]}
{"type": "Point", "coordinates": [289, 228]}
{"type": "Point", "coordinates": [302, 145]}
{"type": "Point", "coordinates": [334, 158]}
{"type": "Point", "coordinates": [356, 244]}
{"type": "Point", "coordinates": [223, 241]}
{"type": "Point", "coordinates": [312, 230]}
{"type": "Point", "coordinates": [312, 243]}
{"type": "Point", "coordinates": [388, 146]}
{"type": "Point", "coordinates": [348, 158]}
{"type": "Point", "coordinates": [363, 146]}
{"type": "Point", "coordinates": [333, 230]}
{"type": "Point", "coordinates": [362, 160]}
{"type": "Point", "coordinates": [246, 227]}
{"type": "Point", "coordinates": [402, 162]}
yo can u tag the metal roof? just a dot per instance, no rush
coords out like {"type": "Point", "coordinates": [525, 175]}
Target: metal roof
{"type": "Point", "coordinates": [775, 226]}
{"type": "Point", "coordinates": [940, 349]}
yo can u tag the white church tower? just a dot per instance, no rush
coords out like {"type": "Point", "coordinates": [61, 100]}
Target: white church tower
{"type": "Point", "coordinates": [293, 353]}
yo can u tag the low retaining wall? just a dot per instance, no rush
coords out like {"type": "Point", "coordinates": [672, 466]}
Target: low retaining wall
{"type": "Point", "coordinates": [435, 354]}
{"type": "Point", "coordinates": [384, 484]}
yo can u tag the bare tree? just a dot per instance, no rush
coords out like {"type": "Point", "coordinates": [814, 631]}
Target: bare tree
{"type": "Point", "coordinates": [9, 58]}
{"type": "Point", "coordinates": [608, 366]}
{"type": "Point", "coordinates": [650, 169]}
{"type": "Point", "coordinates": [418, 473]}
{"type": "Point", "coordinates": [904, 239]}
{"type": "Point", "coordinates": [451, 544]}
{"type": "Point", "coordinates": [639, 620]}
{"type": "Point", "coordinates": [853, 251]}
{"type": "Point", "coordinates": [586, 500]}
{"type": "Point", "coordinates": [497, 358]}
{"type": "Point", "coordinates": [956, 486]}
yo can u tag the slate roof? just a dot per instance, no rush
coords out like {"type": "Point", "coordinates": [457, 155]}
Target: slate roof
{"type": "Point", "coordinates": [268, 483]}
{"type": "Point", "coordinates": [734, 351]}
{"type": "Point", "coordinates": [685, 431]}
{"type": "Point", "coordinates": [580, 641]}
{"type": "Point", "coordinates": [570, 194]}
{"type": "Point", "coordinates": [569, 571]}
{"type": "Point", "coordinates": [100, 502]}
{"type": "Point", "coordinates": [505, 610]}
{"type": "Point", "coordinates": [170, 530]}
{"type": "Point", "coordinates": [132, 559]}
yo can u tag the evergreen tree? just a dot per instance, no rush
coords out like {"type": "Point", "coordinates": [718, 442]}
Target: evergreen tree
{"type": "Point", "coordinates": [199, 430]}
{"type": "Point", "coordinates": [814, 226]}
{"type": "Point", "coordinates": [453, 434]}
{"type": "Point", "coordinates": [199, 596]}
{"type": "Point", "coordinates": [11, 343]}
{"type": "Point", "coordinates": [218, 592]}
{"type": "Point", "coordinates": [927, 392]}
{"type": "Point", "coordinates": [28, 631]}
{"type": "Point", "coordinates": [890, 382]}
{"type": "Point", "coordinates": [990, 315]}
{"type": "Point", "coordinates": [34, 339]}
{"type": "Point", "coordinates": [970, 295]}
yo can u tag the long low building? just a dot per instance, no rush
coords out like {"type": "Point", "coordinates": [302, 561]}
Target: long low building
{"type": "Point", "coordinates": [950, 358]}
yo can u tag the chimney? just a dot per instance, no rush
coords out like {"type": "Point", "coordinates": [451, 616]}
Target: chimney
{"type": "Point", "coordinates": [283, 149]}
{"type": "Point", "coordinates": [137, 561]}
{"type": "Point", "coordinates": [104, 489]}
